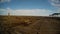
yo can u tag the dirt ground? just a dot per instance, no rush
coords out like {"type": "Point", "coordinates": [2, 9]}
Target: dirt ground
{"type": "Point", "coordinates": [29, 25]}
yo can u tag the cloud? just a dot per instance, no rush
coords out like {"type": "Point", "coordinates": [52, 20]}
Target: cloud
{"type": "Point", "coordinates": [55, 2]}
{"type": "Point", "coordinates": [27, 12]}
{"type": "Point", "coordinates": [5, 0]}
{"type": "Point", "coordinates": [32, 12]}
{"type": "Point", "coordinates": [3, 12]}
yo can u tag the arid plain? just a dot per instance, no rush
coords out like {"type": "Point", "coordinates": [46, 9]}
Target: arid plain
{"type": "Point", "coordinates": [29, 25]}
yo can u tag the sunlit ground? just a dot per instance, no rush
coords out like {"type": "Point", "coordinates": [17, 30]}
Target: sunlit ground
{"type": "Point", "coordinates": [29, 25]}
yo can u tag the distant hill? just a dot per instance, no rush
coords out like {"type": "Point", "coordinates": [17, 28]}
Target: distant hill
{"type": "Point", "coordinates": [55, 14]}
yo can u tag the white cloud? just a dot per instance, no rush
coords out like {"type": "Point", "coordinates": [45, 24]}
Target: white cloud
{"type": "Point", "coordinates": [32, 12]}
{"type": "Point", "coordinates": [5, 0]}
{"type": "Point", "coordinates": [28, 12]}
{"type": "Point", "coordinates": [3, 12]}
{"type": "Point", "coordinates": [58, 10]}
{"type": "Point", "coordinates": [55, 2]}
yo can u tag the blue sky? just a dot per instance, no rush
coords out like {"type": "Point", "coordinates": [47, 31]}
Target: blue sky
{"type": "Point", "coordinates": [44, 6]}
{"type": "Point", "coordinates": [28, 4]}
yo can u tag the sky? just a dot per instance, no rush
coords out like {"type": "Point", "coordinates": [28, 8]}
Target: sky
{"type": "Point", "coordinates": [29, 7]}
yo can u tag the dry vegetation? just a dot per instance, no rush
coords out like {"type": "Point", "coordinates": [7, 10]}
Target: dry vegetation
{"type": "Point", "coordinates": [29, 25]}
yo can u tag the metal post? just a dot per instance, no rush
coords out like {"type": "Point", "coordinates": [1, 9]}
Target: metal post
{"type": "Point", "coordinates": [8, 10]}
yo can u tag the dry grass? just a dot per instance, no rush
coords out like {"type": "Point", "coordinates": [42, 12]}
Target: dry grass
{"type": "Point", "coordinates": [29, 25]}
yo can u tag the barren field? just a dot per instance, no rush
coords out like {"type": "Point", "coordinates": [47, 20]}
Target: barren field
{"type": "Point", "coordinates": [29, 25]}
